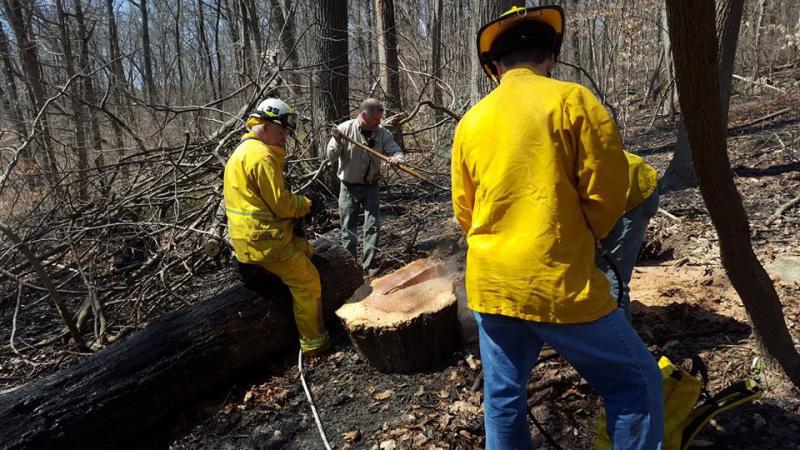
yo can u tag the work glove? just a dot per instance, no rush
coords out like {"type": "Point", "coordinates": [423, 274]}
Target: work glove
{"type": "Point", "coordinates": [316, 205]}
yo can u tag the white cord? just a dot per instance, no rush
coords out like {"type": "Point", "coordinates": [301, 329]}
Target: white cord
{"type": "Point", "coordinates": [311, 400]}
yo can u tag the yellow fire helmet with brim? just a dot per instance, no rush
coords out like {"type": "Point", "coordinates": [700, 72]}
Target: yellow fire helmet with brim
{"type": "Point", "coordinates": [519, 28]}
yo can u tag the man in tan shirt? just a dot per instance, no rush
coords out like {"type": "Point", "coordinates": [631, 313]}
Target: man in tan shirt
{"type": "Point", "coordinates": [359, 173]}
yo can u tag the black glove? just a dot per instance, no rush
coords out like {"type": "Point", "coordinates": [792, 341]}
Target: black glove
{"type": "Point", "coordinates": [316, 205]}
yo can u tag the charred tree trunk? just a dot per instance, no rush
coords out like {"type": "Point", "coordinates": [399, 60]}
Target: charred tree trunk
{"type": "Point", "coordinates": [111, 397]}
{"type": "Point", "coordinates": [695, 52]}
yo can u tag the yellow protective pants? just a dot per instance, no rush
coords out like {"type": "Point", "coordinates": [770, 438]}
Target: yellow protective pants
{"type": "Point", "coordinates": [302, 278]}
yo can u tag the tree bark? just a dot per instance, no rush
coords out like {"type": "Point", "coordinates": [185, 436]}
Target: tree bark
{"type": "Point", "coordinates": [78, 116]}
{"type": "Point", "coordinates": [283, 25]}
{"type": "Point", "coordinates": [93, 125]}
{"type": "Point", "coordinates": [113, 397]}
{"type": "Point", "coordinates": [26, 41]}
{"type": "Point", "coordinates": [484, 11]}
{"type": "Point", "coordinates": [178, 36]}
{"type": "Point", "coordinates": [247, 46]}
{"type": "Point", "coordinates": [695, 52]}
{"type": "Point", "coordinates": [332, 48]}
{"type": "Point", "coordinates": [117, 75]}
{"type": "Point", "coordinates": [150, 83]}
{"type": "Point", "coordinates": [201, 30]}
{"type": "Point", "coordinates": [680, 172]}
{"type": "Point", "coordinates": [436, 55]}
{"type": "Point", "coordinates": [573, 42]}
{"type": "Point", "coordinates": [255, 29]}
{"type": "Point", "coordinates": [13, 94]}
{"type": "Point", "coordinates": [387, 60]}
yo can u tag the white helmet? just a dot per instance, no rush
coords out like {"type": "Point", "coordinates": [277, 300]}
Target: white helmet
{"type": "Point", "coordinates": [276, 111]}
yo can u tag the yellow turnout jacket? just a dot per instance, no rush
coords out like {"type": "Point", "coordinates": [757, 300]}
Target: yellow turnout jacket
{"type": "Point", "coordinates": [643, 178]}
{"type": "Point", "coordinates": [260, 210]}
{"type": "Point", "coordinates": [538, 175]}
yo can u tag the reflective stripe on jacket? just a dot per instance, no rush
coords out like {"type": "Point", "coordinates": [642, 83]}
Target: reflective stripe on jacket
{"type": "Point", "coordinates": [643, 178]}
{"type": "Point", "coordinates": [260, 210]}
{"type": "Point", "coordinates": [538, 175]}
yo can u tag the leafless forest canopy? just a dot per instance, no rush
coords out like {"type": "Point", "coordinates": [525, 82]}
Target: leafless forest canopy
{"type": "Point", "coordinates": [118, 115]}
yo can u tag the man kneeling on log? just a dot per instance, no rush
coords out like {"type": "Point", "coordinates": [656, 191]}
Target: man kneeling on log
{"type": "Point", "coordinates": [261, 215]}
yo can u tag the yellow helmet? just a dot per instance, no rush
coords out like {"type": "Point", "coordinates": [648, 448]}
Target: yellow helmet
{"type": "Point", "coordinates": [519, 28]}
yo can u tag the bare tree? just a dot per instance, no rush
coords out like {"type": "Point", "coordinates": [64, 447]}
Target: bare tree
{"type": "Point", "coordinates": [206, 55]}
{"type": "Point", "coordinates": [332, 56]}
{"type": "Point", "coordinates": [118, 82]}
{"type": "Point", "coordinates": [387, 53]}
{"type": "Point", "coordinates": [695, 51]}
{"type": "Point", "coordinates": [26, 41]}
{"type": "Point", "coordinates": [11, 83]}
{"type": "Point", "coordinates": [283, 24]}
{"type": "Point", "coordinates": [147, 52]}
{"type": "Point", "coordinates": [79, 118]}
{"type": "Point", "coordinates": [436, 54]}
{"type": "Point", "coordinates": [387, 60]}
{"type": "Point", "coordinates": [89, 91]}
{"type": "Point", "coordinates": [679, 173]}
{"type": "Point", "coordinates": [484, 11]}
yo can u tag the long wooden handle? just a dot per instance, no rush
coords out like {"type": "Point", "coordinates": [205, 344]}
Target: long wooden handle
{"type": "Point", "coordinates": [383, 157]}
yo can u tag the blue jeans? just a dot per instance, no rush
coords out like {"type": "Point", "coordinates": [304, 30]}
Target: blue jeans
{"type": "Point", "coordinates": [606, 352]}
{"type": "Point", "coordinates": [623, 243]}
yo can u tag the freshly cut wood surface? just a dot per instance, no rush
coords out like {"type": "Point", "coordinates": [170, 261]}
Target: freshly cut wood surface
{"type": "Point", "coordinates": [405, 321]}
{"type": "Point", "coordinates": [400, 306]}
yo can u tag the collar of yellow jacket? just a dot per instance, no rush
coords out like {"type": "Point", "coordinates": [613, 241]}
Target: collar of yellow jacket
{"type": "Point", "coordinates": [518, 71]}
{"type": "Point", "coordinates": [279, 152]}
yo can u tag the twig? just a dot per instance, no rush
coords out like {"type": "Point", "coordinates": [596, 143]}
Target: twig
{"type": "Point", "coordinates": [431, 105]}
{"type": "Point", "coordinates": [666, 213]}
{"type": "Point", "coordinates": [760, 119]}
{"type": "Point", "coordinates": [37, 266]}
{"type": "Point", "coordinates": [758, 83]}
{"type": "Point", "coordinates": [14, 320]}
{"type": "Point", "coordinates": [782, 209]}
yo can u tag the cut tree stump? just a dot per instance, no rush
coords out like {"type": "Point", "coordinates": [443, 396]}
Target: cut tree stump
{"type": "Point", "coordinates": [406, 321]}
{"type": "Point", "coordinates": [113, 397]}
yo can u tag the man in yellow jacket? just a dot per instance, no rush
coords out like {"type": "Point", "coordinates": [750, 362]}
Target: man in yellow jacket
{"type": "Point", "coordinates": [538, 177]}
{"type": "Point", "coordinates": [623, 242]}
{"type": "Point", "coordinates": [261, 215]}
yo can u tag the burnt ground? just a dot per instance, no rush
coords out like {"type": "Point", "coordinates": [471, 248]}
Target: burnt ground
{"type": "Point", "coordinates": [683, 305]}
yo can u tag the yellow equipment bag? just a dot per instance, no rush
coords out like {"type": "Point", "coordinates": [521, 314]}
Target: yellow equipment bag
{"type": "Point", "coordinates": [683, 416]}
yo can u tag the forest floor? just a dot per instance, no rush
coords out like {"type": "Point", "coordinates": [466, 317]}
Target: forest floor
{"type": "Point", "coordinates": [683, 304]}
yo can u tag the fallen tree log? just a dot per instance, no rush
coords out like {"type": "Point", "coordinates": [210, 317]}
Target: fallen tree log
{"type": "Point", "coordinates": [406, 321]}
{"type": "Point", "coordinates": [110, 398]}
